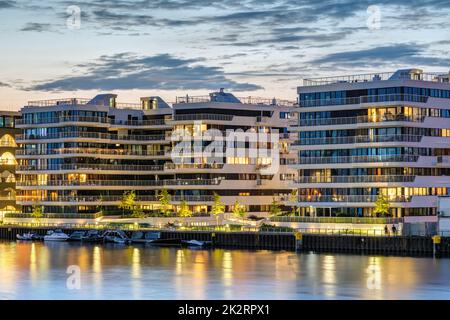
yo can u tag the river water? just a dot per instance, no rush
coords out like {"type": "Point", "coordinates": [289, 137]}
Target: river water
{"type": "Point", "coordinates": [110, 271]}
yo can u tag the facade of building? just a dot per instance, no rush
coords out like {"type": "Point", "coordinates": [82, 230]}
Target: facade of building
{"type": "Point", "coordinates": [8, 162]}
{"type": "Point", "coordinates": [79, 156]}
{"type": "Point", "coordinates": [368, 135]}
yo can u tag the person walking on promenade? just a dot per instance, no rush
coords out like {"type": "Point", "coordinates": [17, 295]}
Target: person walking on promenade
{"type": "Point", "coordinates": [386, 230]}
{"type": "Point", "coordinates": [394, 229]}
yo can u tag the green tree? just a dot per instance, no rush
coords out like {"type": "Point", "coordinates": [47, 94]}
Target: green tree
{"type": "Point", "coordinates": [381, 206]}
{"type": "Point", "coordinates": [218, 207]}
{"type": "Point", "coordinates": [275, 208]}
{"type": "Point", "coordinates": [184, 212]}
{"type": "Point", "coordinates": [239, 210]}
{"type": "Point", "coordinates": [37, 211]}
{"type": "Point", "coordinates": [293, 197]}
{"type": "Point", "coordinates": [128, 201]}
{"type": "Point", "coordinates": [164, 199]}
{"type": "Point", "coordinates": [137, 212]}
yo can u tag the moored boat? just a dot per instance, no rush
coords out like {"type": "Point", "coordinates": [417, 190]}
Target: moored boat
{"type": "Point", "coordinates": [26, 236]}
{"type": "Point", "coordinates": [92, 236]}
{"type": "Point", "coordinates": [77, 235]}
{"type": "Point", "coordinates": [197, 243]}
{"type": "Point", "coordinates": [56, 235]}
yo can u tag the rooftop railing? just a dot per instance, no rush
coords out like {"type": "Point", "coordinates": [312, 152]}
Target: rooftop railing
{"type": "Point", "coordinates": [355, 179]}
{"type": "Point", "coordinates": [358, 119]}
{"type": "Point", "coordinates": [78, 102]}
{"type": "Point", "coordinates": [358, 159]}
{"type": "Point", "coordinates": [358, 139]}
{"type": "Point", "coordinates": [243, 100]}
{"type": "Point", "coordinates": [364, 99]}
{"type": "Point", "coordinates": [367, 77]}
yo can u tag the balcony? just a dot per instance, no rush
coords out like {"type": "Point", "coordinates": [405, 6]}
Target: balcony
{"type": "Point", "coordinates": [357, 139]}
{"type": "Point", "coordinates": [32, 122]}
{"type": "Point", "coordinates": [119, 183]}
{"type": "Point", "coordinates": [93, 135]}
{"type": "Point", "coordinates": [364, 99]}
{"type": "Point", "coordinates": [89, 167]}
{"type": "Point", "coordinates": [350, 198]}
{"type": "Point", "coordinates": [203, 116]}
{"type": "Point", "coordinates": [56, 215]}
{"type": "Point", "coordinates": [355, 120]}
{"type": "Point", "coordinates": [352, 220]}
{"type": "Point", "coordinates": [243, 100]}
{"type": "Point", "coordinates": [355, 179]}
{"type": "Point", "coordinates": [200, 166]}
{"type": "Point", "coordinates": [357, 159]}
{"type": "Point", "coordinates": [97, 199]}
{"type": "Point", "coordinates": [91, 151]}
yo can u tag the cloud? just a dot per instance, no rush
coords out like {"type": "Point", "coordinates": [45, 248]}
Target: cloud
{"type": "Point", "coordinates": [3, 85]}
{"type": "Point", "coordinates": [36, 27]}
{"type": "Point", "coordinates": [126, 71]}
{"type": "Point", "coordinates": [405, 54]}
{"type": "Point", "coordinates": [6, 4]}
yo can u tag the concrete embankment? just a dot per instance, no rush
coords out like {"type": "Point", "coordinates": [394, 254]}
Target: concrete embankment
{"type": "Point", "coordinates": [383, 245]}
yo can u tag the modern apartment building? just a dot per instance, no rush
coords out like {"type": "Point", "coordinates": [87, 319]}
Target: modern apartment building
{"type": "Point", "coordinates": [8, 161]}
{"type": "Point", "coordinates": [78, 156]}
{"type": "Point", "coordinates": [361, 136]}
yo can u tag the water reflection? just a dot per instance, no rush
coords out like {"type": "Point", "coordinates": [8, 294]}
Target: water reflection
{"type": "Point", "coordinates": [38, 271]}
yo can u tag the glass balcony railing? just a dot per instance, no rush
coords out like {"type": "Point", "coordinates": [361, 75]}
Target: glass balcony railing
{"type": "Point", "coordinates": [355, 179]}
{"type": "Point", "coordinates": [358, 139]}
{"type": "Point", "coordinates": [203, 116]}
{"type": "Point", "coordinates": [88, 166]}
{"type": "Point", "coordinates": [353, 220]}
{"type": "Point", "coordinates": [148, 122]}
{"type": "Point", "coordinates": [125, 183]}
{"type": "Point", "coordinates": [97, 199]}
{"type": "Point", "coordinates": [358, 159]}
{"type": "Point", "coordinates": [359, 119]}
{"type": "Point", "coordinates": [174, 166]}
{"type": "Point", "coordinates": [93, 135]}
{"type": "Point", "coordinates": [364, 99]}
{"type": "Point", "coordinates": [93, 151]}
{"type": "Point", "coordinates": [350, 198]}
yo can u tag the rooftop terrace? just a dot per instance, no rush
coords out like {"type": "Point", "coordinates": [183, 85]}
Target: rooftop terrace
{"type": "Point", "coordinates": [410, 74]}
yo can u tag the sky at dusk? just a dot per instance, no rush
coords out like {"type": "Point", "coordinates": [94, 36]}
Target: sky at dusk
{"type": "Point", "coordinates": [176, 47]}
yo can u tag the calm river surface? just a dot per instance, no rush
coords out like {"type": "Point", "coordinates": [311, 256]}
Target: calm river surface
{"type": "Point", "coordinates": [39, 271]}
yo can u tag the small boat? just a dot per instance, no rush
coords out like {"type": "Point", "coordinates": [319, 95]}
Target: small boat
{"type": "Point", "coordinates": [116, 237]}
{"type": "Point", "coordinates": [196, 243]}
{"type": "Point", "coordinates": [77, 235]}
{"type": "Point", "coordinates": [56, 235]}
{"type": "Point", "coordinates": [147, 237]}
{"type": "Point", "coordinates": [26, 236]}
{"type": "Point", "coordinates": [92, 236]}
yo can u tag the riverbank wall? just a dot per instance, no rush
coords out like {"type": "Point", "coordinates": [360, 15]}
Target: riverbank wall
{"type": "Point", "coordinates": [355, 244]}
